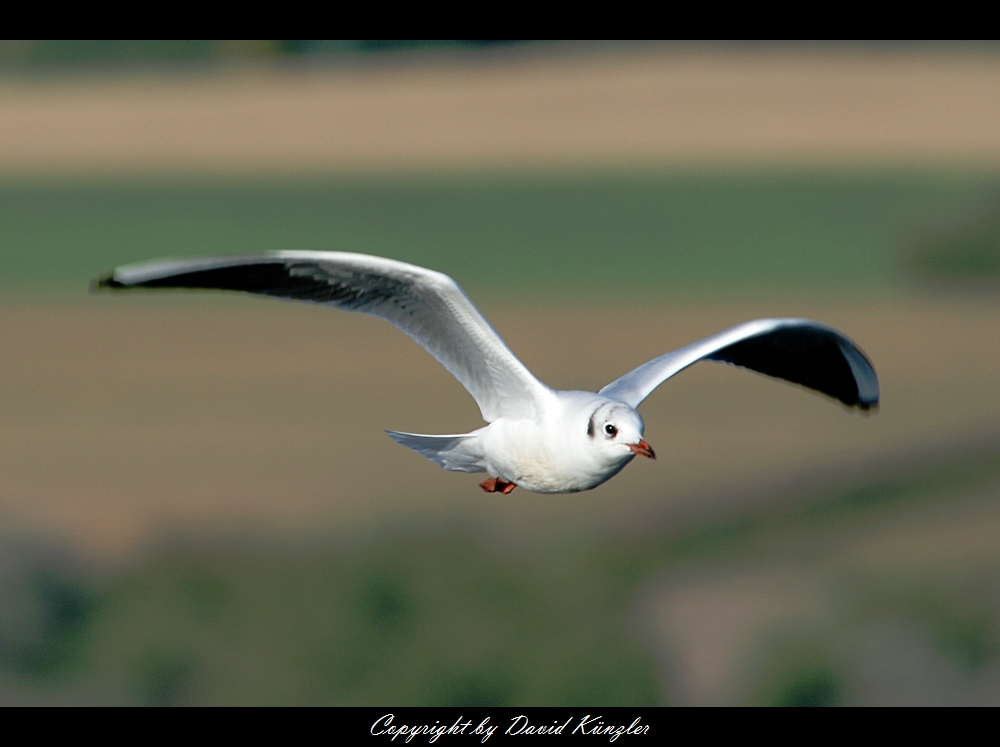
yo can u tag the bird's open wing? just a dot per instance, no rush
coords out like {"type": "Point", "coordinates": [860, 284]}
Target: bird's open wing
{"type": "Point", "coordinates": [798, 350]}
{"type": "Point", "coordinates": [428, 306]}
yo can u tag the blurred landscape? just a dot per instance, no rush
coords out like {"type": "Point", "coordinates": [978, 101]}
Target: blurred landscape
{"type": "Point", "coordinates": [198, 504]}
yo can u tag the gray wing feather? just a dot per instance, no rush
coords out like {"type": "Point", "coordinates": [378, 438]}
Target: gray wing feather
{"type": "Point", "coordinates": [428, 306]}
{"type": "Point", "coordinates": [458, 453]}
{"type": "Point", "coordinates": [797, 350]}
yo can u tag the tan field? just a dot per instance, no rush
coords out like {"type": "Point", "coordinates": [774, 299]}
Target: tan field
{"type": "Point", "coordinates": [126, 416]}
{"type": "Point", "coordinates": [525, 108]}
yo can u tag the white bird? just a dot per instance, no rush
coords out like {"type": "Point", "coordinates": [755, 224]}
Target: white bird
{"type": "Point", "coordinates": [542, 439]}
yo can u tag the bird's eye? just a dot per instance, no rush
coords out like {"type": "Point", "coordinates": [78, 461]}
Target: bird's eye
{"type": "Point", "coordinates": [610, 430]}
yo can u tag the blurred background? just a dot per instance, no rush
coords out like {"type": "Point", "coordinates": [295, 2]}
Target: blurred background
{"type": "Point", "coordinates": [198, 504]}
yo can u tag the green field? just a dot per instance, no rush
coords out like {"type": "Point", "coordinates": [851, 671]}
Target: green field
{"type": "Point", "coordinates": [728, 232]}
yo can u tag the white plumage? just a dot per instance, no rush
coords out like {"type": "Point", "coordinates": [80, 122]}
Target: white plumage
{"type": "Point", "coordinates": [545, 440]}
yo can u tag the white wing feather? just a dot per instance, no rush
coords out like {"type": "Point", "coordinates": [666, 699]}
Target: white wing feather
{"type": "Point", "coordinates": [428, 306]}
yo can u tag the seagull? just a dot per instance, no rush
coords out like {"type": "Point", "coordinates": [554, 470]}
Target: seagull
{"type": "Point", "coordinates": [543, 439]}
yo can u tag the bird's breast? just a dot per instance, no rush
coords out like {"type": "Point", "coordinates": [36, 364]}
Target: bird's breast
{"type": "Point", "coordinates": [538, 459]}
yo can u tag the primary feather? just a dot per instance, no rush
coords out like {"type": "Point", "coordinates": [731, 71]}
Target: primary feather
{"type": "Point", "coordinates": [797, 350]}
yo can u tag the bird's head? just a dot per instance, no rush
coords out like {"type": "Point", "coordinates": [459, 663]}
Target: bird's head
{"type": "Point", "coordinates": [615, 431]}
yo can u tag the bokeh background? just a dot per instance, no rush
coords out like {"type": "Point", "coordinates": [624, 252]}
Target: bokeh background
{"type": "Point", "coordinates": [198, 504]}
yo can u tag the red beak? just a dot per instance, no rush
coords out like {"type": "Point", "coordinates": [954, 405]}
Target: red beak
{"type": "Point", "coordinates": [643, 448]}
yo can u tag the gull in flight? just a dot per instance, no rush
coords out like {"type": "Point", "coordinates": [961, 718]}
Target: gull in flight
{"type": "Point", "coordinates": [542, 439]}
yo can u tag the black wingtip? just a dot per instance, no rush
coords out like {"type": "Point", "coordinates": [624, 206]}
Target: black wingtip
{"type": "Point", "coordinates": [105, 281]}
{"type": "Point", "coordinates": [868, 408]}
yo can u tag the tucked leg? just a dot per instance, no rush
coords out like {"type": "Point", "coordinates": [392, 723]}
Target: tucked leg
{"type": "Point", "coordinates": [496, 485]}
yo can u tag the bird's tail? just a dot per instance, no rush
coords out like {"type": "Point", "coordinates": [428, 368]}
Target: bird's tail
{"type": "Point", "coordinates": [458, 453]}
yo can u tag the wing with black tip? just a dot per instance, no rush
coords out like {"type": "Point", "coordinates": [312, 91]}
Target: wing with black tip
{"type": "Point", "coordinates": [797, 350]}
{"type": "Point", "coordinates": [428, 306]}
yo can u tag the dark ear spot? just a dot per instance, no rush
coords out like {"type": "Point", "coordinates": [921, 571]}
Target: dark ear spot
{"type": "Point", "coordinates": [590, 425]}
